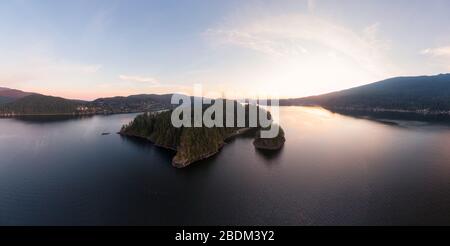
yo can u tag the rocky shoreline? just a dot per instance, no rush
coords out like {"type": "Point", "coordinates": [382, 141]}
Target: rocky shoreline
{"type": "Point", "coordinates": [123, 134]}
{"type": "Point", "coordinates": [179, 162]}
{"type": "Point", "coordinates": [272, 144]}
{"type": "Point", "coordinates": [424, 111]}
{"type": "Point", "coordinates": [182, 163]}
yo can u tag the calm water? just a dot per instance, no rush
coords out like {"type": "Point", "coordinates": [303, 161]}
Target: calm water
{"type": "Point", "coordinates": [333, 170]}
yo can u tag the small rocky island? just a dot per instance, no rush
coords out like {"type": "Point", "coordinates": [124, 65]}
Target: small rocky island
{"type": "Point", "coordinates": [275, 143]}
{"type": "Point", "coordinates": [192, 144]}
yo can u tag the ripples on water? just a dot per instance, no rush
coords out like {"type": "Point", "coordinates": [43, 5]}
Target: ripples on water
{"type": "Point", "coordinates": [333, 170]}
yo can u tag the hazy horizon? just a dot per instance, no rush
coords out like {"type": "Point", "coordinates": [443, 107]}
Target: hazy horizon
{"type": "Point", "coordinates": [206, 92]}
{"type": "Point", "coordinates": [91, 49]}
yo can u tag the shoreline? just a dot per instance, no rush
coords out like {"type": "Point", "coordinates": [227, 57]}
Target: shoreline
{"type": "Point", "coordinates": [185, 163]}
{"type": "Point", "coordinates": [424, 112]}
{"type": "Point", "coordinates": [6, 116]}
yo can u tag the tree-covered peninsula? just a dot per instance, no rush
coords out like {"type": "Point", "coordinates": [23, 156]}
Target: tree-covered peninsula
{"type": "Point", "coordinates": [190, 143]}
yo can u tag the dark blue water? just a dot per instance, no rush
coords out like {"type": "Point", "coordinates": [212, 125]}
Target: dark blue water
{"type": "Point", "coordinates": [333, 170]}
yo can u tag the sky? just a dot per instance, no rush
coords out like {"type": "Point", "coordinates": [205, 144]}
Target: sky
{"type": "Point", "coordinates": [85, 49]}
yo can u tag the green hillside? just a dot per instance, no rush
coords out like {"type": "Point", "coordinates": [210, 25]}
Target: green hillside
{"type": "Point", "coordinates": [40, 105]}
{"type": "Point", "coordinates": [423, 93]}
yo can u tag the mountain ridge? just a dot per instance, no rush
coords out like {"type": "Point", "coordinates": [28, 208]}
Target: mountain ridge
{"type": "Point", "coordinates": [420, 94]}
{"type": "Point", "coordinates": [38, 104]}
{"type": "Point", "coordinates": [9, 95]}
{"type": "Point", "coordinates": [427, 94]}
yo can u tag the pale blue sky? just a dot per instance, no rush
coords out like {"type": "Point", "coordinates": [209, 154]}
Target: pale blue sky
{"type": "Point", "coordinates": [92, 48]}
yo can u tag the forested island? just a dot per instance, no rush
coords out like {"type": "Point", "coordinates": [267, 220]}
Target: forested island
{"type": "Point", "coordinates": [193, 143]}
{"type": "Point", "coordinates": [270, 143]}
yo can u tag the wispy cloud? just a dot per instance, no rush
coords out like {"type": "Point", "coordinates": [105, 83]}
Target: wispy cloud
{"type": "Point", "coordinates": [46, 70]}
{"type": "Point", "coordinates": [306, 53]}
{"type": "Point", "coordinates": [258, 42]}
{"type": "Point", "coordinates": [440, 57]}
{"type": "Point", "coordinates": [437, 52]}
{"type": "Point", "coordinates": [292, 36]}
{"type": "Point", "coordinates": [78, 68]}
{"type": "Point", "coordinates": [142, 79]}
{"type": "Point", "coordinates": [312, 5]}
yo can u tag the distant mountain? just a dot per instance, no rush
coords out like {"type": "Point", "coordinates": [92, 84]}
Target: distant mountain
{"type": "Point", "coordinates": [428, 95]}
{"type": "Point", "coordinates": [422, 94]}
{"type": "Point", "coordinates": [134, 103]}
{"type": "Point", "coordinates": [4, 100]}
{"type": "Point", "coordinates": [9, 95]}
{"type": "Point", "coordinates": [164, 99]}
{"type": "Point", "coordinates": [37, 104]}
